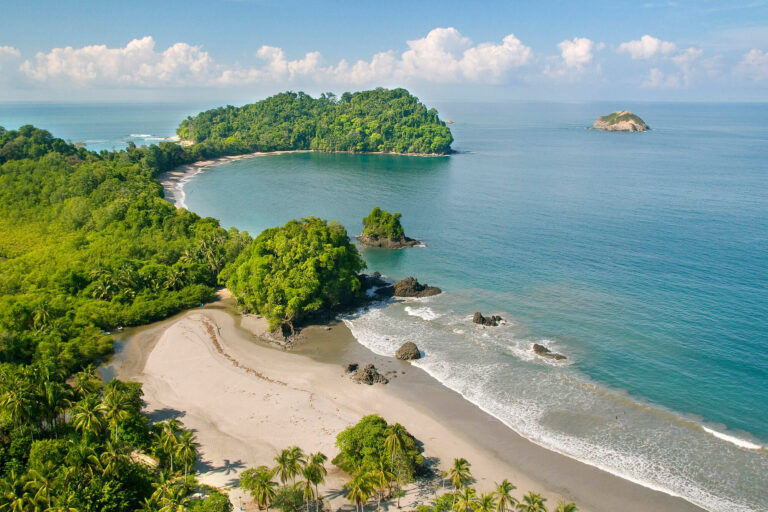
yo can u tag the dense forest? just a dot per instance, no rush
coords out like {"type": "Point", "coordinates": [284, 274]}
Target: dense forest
{"type": "Point", "coordinates": [383, 224]}
{"type": "Point", "coordinates": [87, 244]}
{"type": "Point", "coordinates": [379, 120]}
{"type": "Point", "coordinates": [291, 272]}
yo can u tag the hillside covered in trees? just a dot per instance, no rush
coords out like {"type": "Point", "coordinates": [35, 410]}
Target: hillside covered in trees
{"type": "Point", "coordinates": [380, 120]}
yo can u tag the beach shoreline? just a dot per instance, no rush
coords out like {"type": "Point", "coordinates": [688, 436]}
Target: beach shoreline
{"type": "Point", "coordinates": [247, 399]}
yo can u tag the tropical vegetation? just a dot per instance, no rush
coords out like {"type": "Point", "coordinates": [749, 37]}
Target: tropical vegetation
{"type": "Point", "coordinates": [382, 224]}
{"type": "Point", "coordinates": [301, 269]}
{"type": "Point", "coordinates": [379, 120]}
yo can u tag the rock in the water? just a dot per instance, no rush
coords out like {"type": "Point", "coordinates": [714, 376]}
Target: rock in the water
{"type": "Point", "coordinates": [387, 243]}
{"type": "Point", "coordinates": [491, 321]}
{"type": "Point", "coordinates": [410, 287]}
{"type": "Point", "coordinates": [621, 121]}
{"type": "Point", "coordinates": [543, 351]}
{"type": "Point", "coordinates": [351, 367]}
{"type": "Point", "coordinates": [408, 351]}
{"type": "Point", "coordinates": [369, 375]}
{"type": "Point", "coordinates": [371, 281]}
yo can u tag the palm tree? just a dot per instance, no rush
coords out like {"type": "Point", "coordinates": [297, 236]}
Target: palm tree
{"type": "Point", "coordinates": [113, 458]}
{"type": "Point", "coordinates": [307, 489]}
{"type": "Point", "coordinates": [288, 463]}
{"type": "Point", "coordinates": [82, 461]}
{"type": "Point", "coordinates": [17, 402]}
{"type": "Point", "coordinates": [86, 382]}
{"type": "Point", "coordinates": [360, 488]}
{"type": "Point", "coordinates": [485, 503]}
{"type": "Point", "coordinates": [382, 479]}
{"type": "Point", "coordinates": [258, 482]}
{"type": "Point", "coordinates": [566, 507]}
{"type": "Point", "coordinates": [168, 438]}
{"type": "Point", "coordinates": [459, 474]}
{"type": "Point", "coordinates": [176, 500]}
{"type": "Point", "coordinates": [13, 495]}
{"type": "Point", "coordinates": [87, 416]}
{"type": "Point", "coordinates": [316, 461]}
{"type": "Point", "coordinates": [467, 497]}
{"type": "Point", "coordinates": [395, 440]}
{"type": "Point", "coordinates": [186, 449]}
{"type": "Point", "coordinates": [532, 502]}
{"type": "Point", "coordinates": [116, 405]}
{"type": "Point", "coordinates": [56, 400]}
{"type": "Point", "coordinates": [41, 481]}
{"type": "Point", "coordinates": [503, 495]}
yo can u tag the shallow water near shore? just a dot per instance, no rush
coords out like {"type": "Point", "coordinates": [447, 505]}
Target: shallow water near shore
{"type": "Point", "coordinates": [639, 256]}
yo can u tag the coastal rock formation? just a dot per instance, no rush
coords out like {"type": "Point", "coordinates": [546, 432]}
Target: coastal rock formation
{"type": "Point", "coordinates": [369, 375]}
{"type": "Point", "coordinates": [351, 367]}
{"type": "Point", "coordinates": [387, 243]}
{"type": "Point", "coordinates": [408, 351]}
{"type": "Point", "coordinates": [408, 287]}
{"type": "Point", "coordinates": [543, 351]}
{"type": "Point", "coordinates": [491, 321]}
{"type": "Point", "coordinates": [621, 121]}
{"type": "Point", "coordinates": [368, 281]}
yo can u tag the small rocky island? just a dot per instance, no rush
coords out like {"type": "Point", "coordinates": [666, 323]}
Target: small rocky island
{"type": "Point", "coordinates": [621, 121]}
{"type": "Point", "coordinates": [408, 287]}
{"type": "Point", "coordinates": [383, 229]}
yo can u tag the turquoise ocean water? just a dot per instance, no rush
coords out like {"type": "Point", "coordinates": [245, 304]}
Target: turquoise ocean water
{"type": "Point", "coordinates": [641, 257]}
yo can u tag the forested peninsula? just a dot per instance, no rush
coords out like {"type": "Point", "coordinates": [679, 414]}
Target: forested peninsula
{"type": "Point", "coordinates": [379, 120]}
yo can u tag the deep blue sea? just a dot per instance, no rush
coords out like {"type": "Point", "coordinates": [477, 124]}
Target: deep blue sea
{"type": "Point", "coordinates": [642, 257]}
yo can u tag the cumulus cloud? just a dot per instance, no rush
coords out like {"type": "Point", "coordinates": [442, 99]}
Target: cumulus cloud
{"type": "Point", "coordinates": [647, 47]}
{"type": "Point", "coordinates": [576, 55]}
{"type": "Point", "coordinates": [9, 51]}
{"type": "Point", "coordinates": [754, 65]}
{"type": "Point", "coordinates": [137, 63]}
{"type": "Point", "coordinates": [443, 55]}
{"type": "Point", "coordinates": [657, 78]}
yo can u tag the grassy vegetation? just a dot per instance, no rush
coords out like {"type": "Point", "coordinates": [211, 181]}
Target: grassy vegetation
{"type": "Point", "coordinates": [617, 117]}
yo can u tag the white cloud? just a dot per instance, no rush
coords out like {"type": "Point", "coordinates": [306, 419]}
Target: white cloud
{"type": "Point", "coordinates": [647, 47]}
{"type": "Point", "coordinates": [576, 53]}
{"type": "Point", "coordinates": [754, 65]}
{"type": "Point", "coordinates": [137, 63]}
{"type": "Point", "coordinates": [657, 78]}
{"type": "Point", "coordinates": [9, 51]}
{"type": "Point", "coordinates": [443, 55]}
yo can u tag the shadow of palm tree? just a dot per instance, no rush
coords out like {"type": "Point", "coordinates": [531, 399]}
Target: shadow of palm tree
{"type": "Point", "coordinates": [164, 414]}
{"type": "Point", "coordinates": [228, 467]}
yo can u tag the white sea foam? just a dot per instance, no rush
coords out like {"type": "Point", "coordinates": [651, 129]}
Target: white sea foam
{"type": "Point", "coordinates": [559, 408]}
{"type": "Point", "coordinates": [140, 135]}
{"type": "Point", "coordinates": [425, 313]}
{"type": "Point", "coordinates": [741, 443]}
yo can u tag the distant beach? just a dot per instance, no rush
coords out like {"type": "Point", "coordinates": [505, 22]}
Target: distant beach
{"type": "Point", "coordinates": [246, 400]}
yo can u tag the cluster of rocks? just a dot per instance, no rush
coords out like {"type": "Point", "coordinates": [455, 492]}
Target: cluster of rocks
{"type": "Point", "coordinates": [408, 287]}
{"type": "Point", "coordinates": [408, 352]}
{"type": "Point", "coordinates": [368, 281]}
{"type": "Point", "coordinates": [368, 375]}
{"type": "Point", "coordinates": [491, 321]}
{"type": "Point", "coordinates": [541, 350]}
{"type": "Point", "coordinates": [387, 243]}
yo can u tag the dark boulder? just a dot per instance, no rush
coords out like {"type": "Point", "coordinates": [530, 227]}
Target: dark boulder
{"type": "Point", "coordinates": [491, 321]}
{"type": "Point", "coordinates": [369, 375]}
{"type": "Point", "coordinates": [372, 281]}
{"type": "Point", "coordinates": [543, 351]}
{"type": "Point", "coordinates": [351, 367]}
{"type": "Point", "coordinates": [410, 287]}
{"type": "Point", "coordinates": [408, 351]}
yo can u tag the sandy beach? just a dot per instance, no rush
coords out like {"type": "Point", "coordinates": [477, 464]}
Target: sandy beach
{"type": "Point", "coordinates": [246, 400]}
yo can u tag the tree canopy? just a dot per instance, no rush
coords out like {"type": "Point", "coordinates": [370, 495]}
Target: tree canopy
{"type": "Point", "coordinates": [382, 224]}
{"type": "Point", "coordinates": [379, 120]}
{"type": "Point", "coordinates": [87, 243]}
{"type": "Point", "coordinates": [288, 273]}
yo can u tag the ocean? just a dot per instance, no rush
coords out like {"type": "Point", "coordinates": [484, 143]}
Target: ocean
{"type": "Point", "coordinates": [642, 257]}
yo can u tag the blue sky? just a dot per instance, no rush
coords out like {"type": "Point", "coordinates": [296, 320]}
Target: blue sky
{"type": "Point", "coordinates": [241, 49]}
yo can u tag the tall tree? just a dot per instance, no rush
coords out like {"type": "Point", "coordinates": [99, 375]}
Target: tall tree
{"type": "Point", "coordinates": [503, 496]}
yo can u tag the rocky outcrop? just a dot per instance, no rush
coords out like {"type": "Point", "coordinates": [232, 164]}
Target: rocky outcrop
{"type": "Point", "coordinates": [408, 287]}
{"type": "Point", "coordinates": [369, 375]}
{"type": "Point", "coordinates": [543, 351]}
{"type": "Point", "coordinates": [387, 243]}
{"type": "Point", "coordinates": [408, 351]}
{"type": "Point", "coordinates": [621, 121]}
{"type": "Point", "coordinates": [491, 321]}
{"type": "Point", "coordinates": [351, 367]}
{"type": "Point", "coordinates": [368, 281]}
